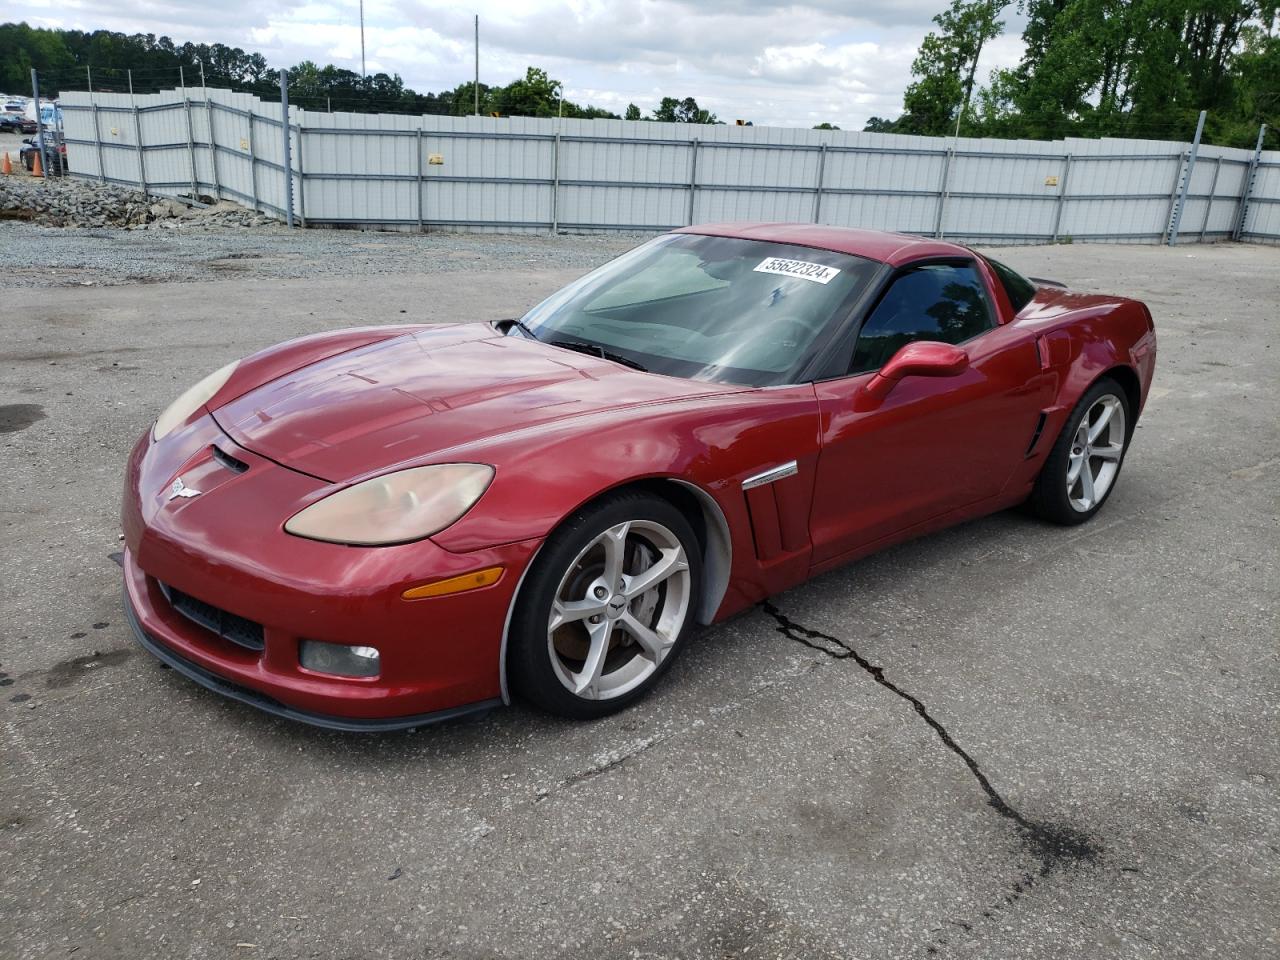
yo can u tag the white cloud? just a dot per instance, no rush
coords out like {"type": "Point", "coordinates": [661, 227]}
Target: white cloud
{"type": "Point", "coordinates": [771, 61]}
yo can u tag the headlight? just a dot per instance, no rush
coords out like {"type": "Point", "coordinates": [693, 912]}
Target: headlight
{"type": "Point", "coordinates": [192, 400]}
{"type": "Point", "coordinates": [395, 508]}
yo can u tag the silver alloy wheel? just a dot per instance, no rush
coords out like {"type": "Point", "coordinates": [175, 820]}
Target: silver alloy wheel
{"type": "Point", "coordinates": [1096, 449]}
{"type": "Point", "coordinates": [619, 609]}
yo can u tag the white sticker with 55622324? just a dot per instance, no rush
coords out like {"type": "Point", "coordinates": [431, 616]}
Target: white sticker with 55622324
{"type": "Point", "coordinates": [801, 269]}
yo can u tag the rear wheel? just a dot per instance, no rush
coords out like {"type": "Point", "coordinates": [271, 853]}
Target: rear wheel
{"type": "Point", "coordinates": [1084, 464]}
{"type": "Point", "coordinates": [606, 607]}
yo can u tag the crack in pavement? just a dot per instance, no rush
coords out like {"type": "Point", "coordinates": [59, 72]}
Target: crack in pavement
{"type": "Point", "coordinates": [1051, 844]}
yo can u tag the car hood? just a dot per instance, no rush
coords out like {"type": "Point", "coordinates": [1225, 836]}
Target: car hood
{"type": "Point", "coordinates": [411, 398]}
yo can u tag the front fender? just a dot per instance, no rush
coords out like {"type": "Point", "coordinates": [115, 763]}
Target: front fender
{"type": "Point", "coordinates": [545, 474]}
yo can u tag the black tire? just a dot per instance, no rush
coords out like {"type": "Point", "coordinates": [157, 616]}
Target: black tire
{"type": "Point", "coordinates": [530, 669]}
{"type": "Point", "coordinates": [1050, 499]}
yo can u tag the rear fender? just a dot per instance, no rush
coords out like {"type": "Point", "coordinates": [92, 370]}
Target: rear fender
{"type": "Point", "coordinates": [1077, 350]}
{"type": "Point", "coordinates": [1120, 338]}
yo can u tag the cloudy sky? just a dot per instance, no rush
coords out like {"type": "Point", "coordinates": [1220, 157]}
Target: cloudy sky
{"type": "Point", "coordinates": [772, 62]}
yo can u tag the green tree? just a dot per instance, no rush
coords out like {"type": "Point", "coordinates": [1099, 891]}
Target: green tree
{"type": "Point", "coordinates": [881, 125]}
{"type": "Point", "coordinates": [1258, 85]}
{"type": "Point", "coordinates": [533, 95]}
{"type": "Point", "coordinates": [946, 66]}
{"type": "Point", "coordinates": [633, 112]}
{"type": "Point", "coordinates": [1141, 68]}
{"type": "Point", "coordinates": [671, 110]}
{"type": "Point", "coordinates": [537, 94]}
{"type": "Point", "coordinates": [827, 126]}
{"type": "Point", "coordinates": [462, 99]}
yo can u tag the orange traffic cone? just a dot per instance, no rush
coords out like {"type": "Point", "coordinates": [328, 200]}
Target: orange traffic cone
{"type": "Point", "coordinates": [37, 168]}
{"type": "Point", "coordinates": [6, 168]}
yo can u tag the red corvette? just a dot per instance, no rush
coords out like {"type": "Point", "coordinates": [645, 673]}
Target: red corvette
{"type": "Point", "coordinates": [380, 527]}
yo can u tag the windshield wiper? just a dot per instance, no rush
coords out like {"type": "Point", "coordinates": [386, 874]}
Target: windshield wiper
{"type": "Point", "coordinates": [595, 350]}
{"type": "Point", "coordinates": [528, 331]}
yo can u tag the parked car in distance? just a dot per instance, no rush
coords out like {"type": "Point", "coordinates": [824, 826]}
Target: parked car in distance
{"type": "Point", "coordinates": [55, 155]}
{"type": "Point", "coordinates": [378, 527]}
{"type": "Point", "coordinates": [18, 110]}
{"type": "Point", "coordinates": [11, 122]}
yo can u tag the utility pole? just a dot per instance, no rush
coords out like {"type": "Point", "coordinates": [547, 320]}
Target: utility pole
{"type": "Point", "coordinates": [476, 85]}
{"type": "Point", "coordinates": [363, 72]}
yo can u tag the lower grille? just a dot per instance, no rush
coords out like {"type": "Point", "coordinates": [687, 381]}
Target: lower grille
{"type": "Point", "coordinates": [238, 630]}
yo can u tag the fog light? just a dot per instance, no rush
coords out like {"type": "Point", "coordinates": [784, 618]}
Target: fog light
{"type": "Point", "coordinates": [338, 659]}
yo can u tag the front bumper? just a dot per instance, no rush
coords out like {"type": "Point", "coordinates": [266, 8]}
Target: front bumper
{"type": "Point", "coordinates": [226, 547]}
{"type": "Point", "coordinates": [254, 698]}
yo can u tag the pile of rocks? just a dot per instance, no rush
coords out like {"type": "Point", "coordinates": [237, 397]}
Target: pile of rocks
{"type": "Point", "coordinates": [72, 202]}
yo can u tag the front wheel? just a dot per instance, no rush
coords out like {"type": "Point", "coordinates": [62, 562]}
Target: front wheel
{"type": "Point", "coordinates": [606, 606]}
{"type": "Point", "coordinates": [1081, 469]}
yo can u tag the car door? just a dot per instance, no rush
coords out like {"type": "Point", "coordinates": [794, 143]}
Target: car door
{"type": "Point", "coordinates": [934, 444]}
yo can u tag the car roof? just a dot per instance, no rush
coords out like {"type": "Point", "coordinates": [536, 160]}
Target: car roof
{"type": "Point", "coordinates": [894, 249]}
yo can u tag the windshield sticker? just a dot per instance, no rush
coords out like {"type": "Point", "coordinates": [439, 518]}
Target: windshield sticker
{"type": "Point", "coordinates": [798, 268]}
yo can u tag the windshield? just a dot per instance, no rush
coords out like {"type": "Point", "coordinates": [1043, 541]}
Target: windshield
{"type": "Point", "coordinates": [705, 308]}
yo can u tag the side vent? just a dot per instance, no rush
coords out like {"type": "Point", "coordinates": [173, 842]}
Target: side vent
{"type": "Point", "coordinates": [765, 527]}
{"type": "Point", "coordinates": [777, 508]}
{"type": "Point", "coordinates": [1035, 437]}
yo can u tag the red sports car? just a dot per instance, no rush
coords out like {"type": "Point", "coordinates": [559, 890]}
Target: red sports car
{"type": "Point", "coordinates": [381, 527]}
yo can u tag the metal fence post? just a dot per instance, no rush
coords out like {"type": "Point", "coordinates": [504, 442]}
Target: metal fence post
{"type": "Point", "coordinates": [1062, 198]}
{"type": "Point", "coordinates": [62, 138]}
{"type": "Point", "coordinates": [421, 220]}
{"type": "Point", "coordinates": [1173, 195]}
{"type": "Point", "coordinates": [137, 136]}
{"type": "Point", "coordinates": [1237, 231]}
{"type": "Point", "coordinates": [693, 177]}
{"type": "Point", "coordinates": [555, 183]}
{"type": "Point", "coordinates": [1176, 222]}
{"type": "Point", "coordinates": [213, 149]}
{"type": "Point", "coordinates": [97, 130]}
{"type": "Point", "coordinates": [191, 146]}
{"type": "Point", "coordinates": [35, 94]}
{"type": "Point", "coordinates": [253, 165]}
{"type": "Point", "coordinates": [302, 177]}
{"type": "Point", "coordinates": [942, 192]}
{"type": "Point", "coordinates": [288, 160]}
{"type": "Point", "coordinates": [1208, 205]}
{"type": "Point", "coordinates": [817, 190]}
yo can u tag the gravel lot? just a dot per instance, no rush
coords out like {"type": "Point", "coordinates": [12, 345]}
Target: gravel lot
{"type": "Point", "coordinates": [36, 256]}
{"type": "Point", "coordinates": [1071, 750]}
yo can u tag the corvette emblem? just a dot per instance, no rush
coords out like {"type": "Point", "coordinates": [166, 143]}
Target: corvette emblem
{"type": "Point", "coordinates": [180, 489]}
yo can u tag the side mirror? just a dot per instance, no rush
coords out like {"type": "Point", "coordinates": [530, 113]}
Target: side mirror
{"type": "Point", "coordinates": [923, 358]}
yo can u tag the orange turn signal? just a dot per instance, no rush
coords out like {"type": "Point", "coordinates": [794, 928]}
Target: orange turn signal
{"type": "Point", "coordinates": [468, 581]}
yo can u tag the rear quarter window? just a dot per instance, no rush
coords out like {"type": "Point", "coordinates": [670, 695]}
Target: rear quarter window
{"type": "Point", "coordinates": [1019, 288]}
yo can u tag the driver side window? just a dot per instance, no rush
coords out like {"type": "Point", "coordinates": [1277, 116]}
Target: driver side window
{"type": "Point", "coordinates": [942, 302]}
